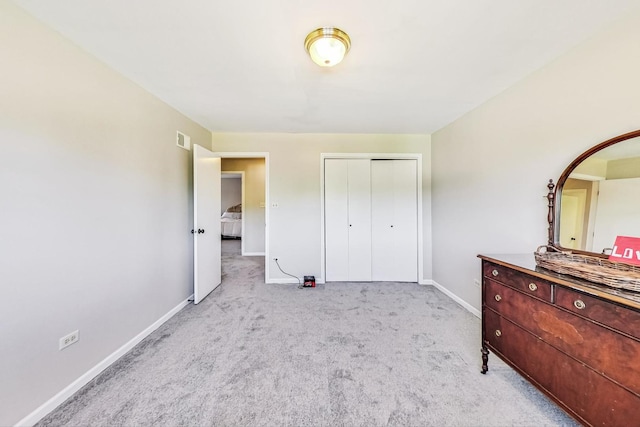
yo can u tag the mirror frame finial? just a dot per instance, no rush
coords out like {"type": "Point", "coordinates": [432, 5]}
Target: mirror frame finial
{"type": "Point", "coordinates": [551, 215]}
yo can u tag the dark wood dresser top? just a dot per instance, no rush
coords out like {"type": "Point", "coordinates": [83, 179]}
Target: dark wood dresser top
{"type": "Point", "coordinates": [526, 263]}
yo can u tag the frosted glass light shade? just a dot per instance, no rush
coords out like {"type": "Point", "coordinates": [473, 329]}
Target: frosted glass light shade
{"type": "Point", "coordinates": [327, 46]}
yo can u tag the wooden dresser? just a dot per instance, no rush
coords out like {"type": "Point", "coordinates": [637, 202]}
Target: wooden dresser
{"type": "Point", "coordinates": [577, 342]}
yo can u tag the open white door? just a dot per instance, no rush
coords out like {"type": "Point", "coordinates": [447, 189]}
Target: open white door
{"type": "Point", "coordinates": [207, 274]}
{"type": "Point", "coordinates": [572, 214]}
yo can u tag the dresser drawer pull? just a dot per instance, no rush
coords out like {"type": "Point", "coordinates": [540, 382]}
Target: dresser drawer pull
{"type": "Point", "coordinates": [579, 304]}
{"type": "Point", "coordinates": [498, 332]}
{"type": "Point", "coordinates": [533, 287]}
{"type": "Point", "coordinates": [495, 273]}
{"type": "Point", "coordinates": [498, 298]}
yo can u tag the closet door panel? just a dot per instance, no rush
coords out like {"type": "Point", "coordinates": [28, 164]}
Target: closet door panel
{"type": "Point", "coordinates": [382, 220]}
{"type": "Point", "coordinates": [359, 200]}
{"type": "Point", "coordinates": [336, 217]}
{"type": "Point", "coordinates": [405, 224]}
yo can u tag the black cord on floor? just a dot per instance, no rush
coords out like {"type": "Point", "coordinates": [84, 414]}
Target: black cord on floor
{"type": "Point", "coordinates": [284, 272]}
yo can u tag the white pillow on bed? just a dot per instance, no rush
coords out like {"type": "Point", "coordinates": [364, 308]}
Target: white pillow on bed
{"type": "Point", "coordinates": [232, 215]}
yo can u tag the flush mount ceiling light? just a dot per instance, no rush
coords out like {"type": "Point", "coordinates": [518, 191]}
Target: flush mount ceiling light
{"type": "Point", "coordinates": [327, 46]}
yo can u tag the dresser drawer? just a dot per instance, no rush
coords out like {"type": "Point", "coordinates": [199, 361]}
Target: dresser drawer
{"type": "Point", "coordinates": [582, 391]}
{"type": "Point", "coordinates": [614, 316]}
{"type": "Point", "coordinates": [531, 285]}
{"type": "Point", "coordinates": [609, 353]}
{"type": "Point", "coordinates": [492, 324]}
{"type": "Point", "coordinates": [509, 302]}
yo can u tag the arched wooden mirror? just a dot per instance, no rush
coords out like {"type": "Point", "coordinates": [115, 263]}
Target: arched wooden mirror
{"type": "Point", "coordinates": [597, 197]}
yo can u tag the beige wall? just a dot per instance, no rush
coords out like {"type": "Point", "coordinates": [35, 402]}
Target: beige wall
{"type": "Point", "coordinates": [623, 168]}
{"type": "Point", "coordinates": [592, 167]}
{"type": "Point", "coordinates": [253, 211]}
{"type": "Point", "coordinates": [95, 215]}
{"type": "Point", "coordinates": [294, 184]}
{"type": "Point", "coordinates": [490, 167]}
{"type": "Point", "coordinates": [231, 192]}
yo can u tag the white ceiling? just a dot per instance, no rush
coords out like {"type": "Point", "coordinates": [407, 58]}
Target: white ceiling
{"type": "Point", "coordinates": [240, 65]}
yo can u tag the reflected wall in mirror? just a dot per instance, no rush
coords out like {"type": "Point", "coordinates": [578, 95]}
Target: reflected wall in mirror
{"type": "Point", "coordinates": [598, 196]}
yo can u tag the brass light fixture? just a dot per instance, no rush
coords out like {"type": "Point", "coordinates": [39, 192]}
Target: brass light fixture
{"type": "Point", "coordinates": [327, 46]}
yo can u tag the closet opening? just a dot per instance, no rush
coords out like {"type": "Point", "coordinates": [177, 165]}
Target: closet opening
{"type": "Point", "coordinates": [372, 217]}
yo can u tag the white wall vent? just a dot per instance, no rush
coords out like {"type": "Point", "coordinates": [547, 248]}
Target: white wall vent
{"type": "Point", "coordinates": [183, 141]}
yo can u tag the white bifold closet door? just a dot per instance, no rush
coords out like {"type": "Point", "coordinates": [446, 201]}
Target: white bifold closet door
{"type": "Point", "coordinates": [371, 220]}
{"type": "Point", "coordinates": [348, 219]}
{"type": "Point", "coordinates": [394, 220]}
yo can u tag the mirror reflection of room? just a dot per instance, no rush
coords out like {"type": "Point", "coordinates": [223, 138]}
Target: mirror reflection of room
{"type": "Point", "coordinates": [601, 199]}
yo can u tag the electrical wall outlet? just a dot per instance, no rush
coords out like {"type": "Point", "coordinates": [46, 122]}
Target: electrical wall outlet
{"type": "Point", "coordinates": [476, 282]}
{"type": "Point", "coordinates": [69, 339]}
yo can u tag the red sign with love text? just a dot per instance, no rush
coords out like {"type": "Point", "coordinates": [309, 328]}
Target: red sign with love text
{"type": "Point", "coordinates": [626, 249]}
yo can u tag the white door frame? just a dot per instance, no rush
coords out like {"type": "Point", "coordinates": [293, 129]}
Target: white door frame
{"type": "Point", "coordinates": [372, 156]}
{"type": "Point", "coordinates": [255, 155]}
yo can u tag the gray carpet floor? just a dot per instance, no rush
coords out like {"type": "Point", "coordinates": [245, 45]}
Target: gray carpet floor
{"type": "Point", "coordinates": [340, 354]}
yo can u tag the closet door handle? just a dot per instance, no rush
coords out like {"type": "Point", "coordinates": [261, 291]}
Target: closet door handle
{"type": "Point", "coordinates": [200, 231]}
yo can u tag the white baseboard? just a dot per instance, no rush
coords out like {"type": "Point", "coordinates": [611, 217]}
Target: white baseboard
{"type": "Point", "coordinates": [287, 281]}
{"type": "Point", "coordinates": [320, 281]}
{"type": "Point", "coordinates": [253, 254]}
{"type": "Point", "coordinates": [471, 309]}
{"type": "Point", "coordinates": [291, 281]}
{"type": "Point", "coordinates": [69, 390]}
